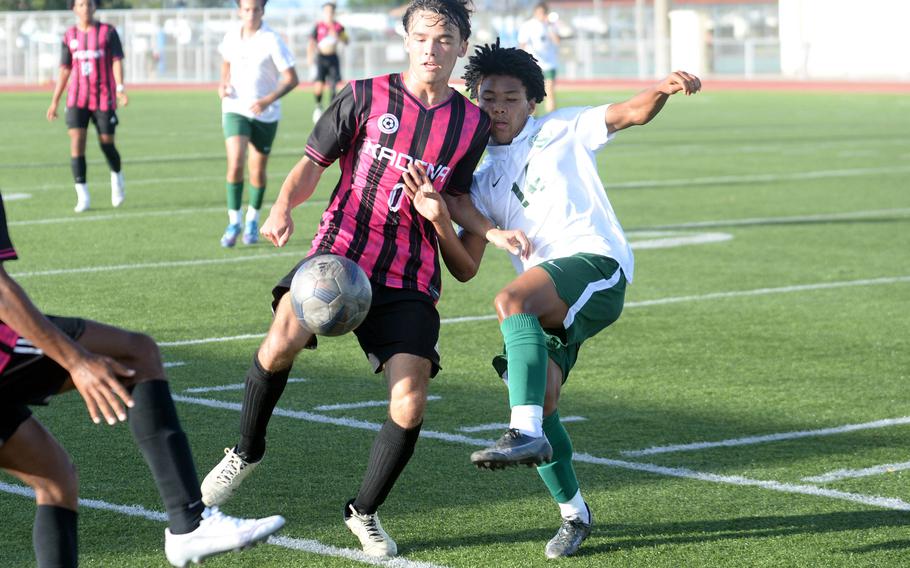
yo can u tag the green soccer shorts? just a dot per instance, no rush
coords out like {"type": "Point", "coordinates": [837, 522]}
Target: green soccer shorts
{"type": "Point", "coordinates": [261, 134]}
{"type": "Point", "coordinates": [594, 288]}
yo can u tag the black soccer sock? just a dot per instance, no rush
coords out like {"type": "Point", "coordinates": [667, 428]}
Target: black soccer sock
{"type": "Point", "coordinates": [318, 99]}
{"type": "Point", "coordinates": [77, 164]}
{"type": "Point", "coordinates": [112, 155]}
{"type": "Point", "coordinates": [156, 429]}
{"type": "Point", "coordinates": [391, 451]}
{"type": "Point", "coordinates": [263, 389]}
{"type": "Point", "coordinates": [54, 537]}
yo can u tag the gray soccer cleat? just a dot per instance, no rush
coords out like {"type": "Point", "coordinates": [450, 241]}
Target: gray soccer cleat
{"type": "Point", "coordinates": [225, 478]}
{"type": "Point", "coordinates": [368, 530]}
{"type": "Point", "coordinates": [514, 448]}
{"type": "Point", "coordinates": [569, 536]}
{"type": "Point", "coordinates": [217, 533]}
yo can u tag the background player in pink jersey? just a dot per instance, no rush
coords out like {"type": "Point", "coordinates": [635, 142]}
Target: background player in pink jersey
{"type": "Point", "coordinates": [93, 50]}
{"type": "Point", "coordinates": [322, 55]}
{"type": "Point", "coordinates": [376, 127]}
{"type": "Point", "coordinates": [120, 376]}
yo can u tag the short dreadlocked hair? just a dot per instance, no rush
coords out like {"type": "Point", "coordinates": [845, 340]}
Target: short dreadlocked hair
{"type": "Point", "coordinates": [493, 59]}
{"type": "Point", "coordinates": [453, 12]}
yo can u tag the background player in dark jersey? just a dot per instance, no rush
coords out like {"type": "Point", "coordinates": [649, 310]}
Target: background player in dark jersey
{"type": "Point", "coordinates": [92, 49]}
{"type": "Point", "coordinates": [322, 55]}
{"type": "Point", "coordinates": [376, 127]}
{"type": "Point", "coordinates": [120, 376]}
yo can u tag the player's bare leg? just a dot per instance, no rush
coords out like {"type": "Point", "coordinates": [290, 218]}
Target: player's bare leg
{"type": "Point", "coordinates": [35, 457]}
{"type": "Point", "coordinates": [77, 163]}
{"type": "Point", "coordinates": [265, 382]}
{"type": "Point", "coordinates": [408, 377]}
{"type": "Point", "coordinates": [236, 147]}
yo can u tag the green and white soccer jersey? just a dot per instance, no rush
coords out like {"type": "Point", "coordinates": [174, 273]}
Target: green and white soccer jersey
{"type": "Point", "coordinates": [257, 63]}
{"type": "Point", "coordinates": [546, 183]}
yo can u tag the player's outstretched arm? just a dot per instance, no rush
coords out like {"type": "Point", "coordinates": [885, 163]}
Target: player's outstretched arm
{"type": "Point", "coordinates": [62, 80]}
{"type": "Point", "coordinates": [94, 376]}
{"type": "Point", "coordinates": [466, 215]}
{"type": "Point", "coordinates": [644, 106]}
{"type": "Point", "coordinates": [461, 253]}
{"type": "Point", "coordinates": [297, 188]}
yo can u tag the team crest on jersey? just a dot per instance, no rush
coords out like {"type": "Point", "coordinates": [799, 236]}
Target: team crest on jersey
{"type": "Point", "coordinates": [388, 123]}
{"type": "Point", "coordinates": [74, 44]}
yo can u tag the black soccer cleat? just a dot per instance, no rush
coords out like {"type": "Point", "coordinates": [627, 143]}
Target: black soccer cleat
{"type": "Point", "coordinates": [569, 537]}
{"type": "Point", "coordinates": [514, 448]}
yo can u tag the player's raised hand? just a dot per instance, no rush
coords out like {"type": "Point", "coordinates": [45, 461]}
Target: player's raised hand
{"type": "Point", "coordinates": [95, 377]}
{"type": "Point", "coordinates": [513, 240]}
{"type": "Point", "coordinates": [278, 228]}
{"type": "Point", "coordinates": [680, 81]}
{"type": "Point", "coordinates": [423, 195]}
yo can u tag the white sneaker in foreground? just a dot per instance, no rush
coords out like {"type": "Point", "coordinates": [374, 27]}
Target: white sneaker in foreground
{"type": "Point", "coordinates": [217, 533]}
{"type": "Point", "coordinates": [367, 528]}
{"type": "Point", "coordinates": [225, 478]}
{"type": "Point", "coordinates": [117, 192]}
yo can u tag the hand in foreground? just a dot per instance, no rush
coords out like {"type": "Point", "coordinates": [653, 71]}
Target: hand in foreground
{"type": "Point", "coordinates": [278, 228]}
{"type": "Point", "coordinates": [95, 377]}
{"type": "Point", "coordinates": [259, 106]}
{"type": "Point", "coordinates": [427, 201]}
{"type": "Point", "coordinates": [52, 112]}
{"type": "Point", "coordinates": [680, 81]}
{"type": "Point", "coordinates": [514, 241]}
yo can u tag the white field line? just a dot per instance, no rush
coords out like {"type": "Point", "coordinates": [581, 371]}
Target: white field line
{"type": "Point", "coordinates": [884, 502]}
{"type": "Point", "coordinates": [639, 304]}
{"type": "Point", "coordinates": [504, 425]}
{"type": "Point", "coordinates": [750, 440]}
{"type": "Point", "coordinates": [872, 500]}
{"type": "Point", "coordinates": [758, 178]}
{"type": "Point", "coordinates": [231, 387]}
{"type": "Point", "coordinates": [822, 217]}
{"type": "Point", "coordinates": [168, 264]}
{"type": "Point", "coordinates": [681, 241]}
{"type": "Point", "coordinates": [300, 544]}
{"type": "Point", "coordinates": [853, 473]}
{"type": "Point", "coordinates": [172, 364]}
{"type": "Point", "coordinates": [364, 404]}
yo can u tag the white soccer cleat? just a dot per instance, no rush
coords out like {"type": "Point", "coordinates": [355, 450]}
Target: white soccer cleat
{"type": "Point", "coordinates": [218, 533]}
{"type": "Point", "coordinates": [117, 192]}
{"type": "Point", "coordinates": [225, 478]}
{"type": "Point", "coordinates": [317, 114]}
{"type": "Point", "coordinates": [367, 528]}
{"type": "Point", "coordinates": [82, 198]}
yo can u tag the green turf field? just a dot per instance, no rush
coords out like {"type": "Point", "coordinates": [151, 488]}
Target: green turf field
{"type": "Point", "coordinates": [772, 297]}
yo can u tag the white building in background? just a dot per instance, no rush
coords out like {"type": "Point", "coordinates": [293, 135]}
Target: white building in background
{"type": "Point", "coordinates": [845, 39]}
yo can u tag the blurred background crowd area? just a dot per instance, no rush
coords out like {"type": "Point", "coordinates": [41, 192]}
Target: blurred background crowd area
{"type": "Point", "coordinates": [175, 41]}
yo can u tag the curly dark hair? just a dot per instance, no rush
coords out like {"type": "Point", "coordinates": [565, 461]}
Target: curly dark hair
{"type": "Point", "coordinates": [453, 12]}
{"type": "Point", "coordinates": [493, 59]}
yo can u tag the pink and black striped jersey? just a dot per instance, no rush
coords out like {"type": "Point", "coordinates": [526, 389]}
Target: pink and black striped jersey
{"type": "Point", "coordinates": [376, 127]}
{"type": "Point", "coordinates": [323, 29]}
{"type": "Point", "coordinates": [8, 337]}
{"type": "Point", "coordinates": [90, 55]}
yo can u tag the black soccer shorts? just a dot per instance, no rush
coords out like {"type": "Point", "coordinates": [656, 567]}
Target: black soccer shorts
{"type": "Point", "coordinates": [31, 378]}
{"type": "Point", "coordinates": [399, 321]}
{"type": "Point", "coordinates": [105, 120]}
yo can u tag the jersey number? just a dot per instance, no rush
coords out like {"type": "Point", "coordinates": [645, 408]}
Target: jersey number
{"type": "Point", "coordinates": [86, 67]}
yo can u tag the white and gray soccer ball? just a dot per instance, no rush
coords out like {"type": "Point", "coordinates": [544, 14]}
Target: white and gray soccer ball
{"type": "Point", "coordinates": [331, 295]}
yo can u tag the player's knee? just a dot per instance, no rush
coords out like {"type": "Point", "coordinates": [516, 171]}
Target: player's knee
{"type": "Point", "coordinates": [407, 409]}
{"type": "Point", "coordinates": [60, 488]}
{"type": "Point", "coordinates": [143, 356]}
{"type": "Point", "coordinates": [508, 302]}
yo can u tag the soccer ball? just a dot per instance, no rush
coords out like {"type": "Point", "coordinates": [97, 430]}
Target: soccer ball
{"type": "Point", "coordinates": [330, 295]}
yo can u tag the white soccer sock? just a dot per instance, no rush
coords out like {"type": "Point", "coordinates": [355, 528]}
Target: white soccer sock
{"type": "Point", "coordinates": [252, 214]}
{"type": "Point", "coordinates": [234, 216]}
{"type": "Point", "coordinates": [528, 419]}
{"type": "Point", "coordinates": [575, 508]}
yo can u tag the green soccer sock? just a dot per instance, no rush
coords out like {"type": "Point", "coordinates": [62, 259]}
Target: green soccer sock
{"type": "Point", "coordinates": [559, 474]}
{"type": "Point", "coordinates": [257, 194]}
{"type": "Point", "coordinates": [526, 350]}
{"type": "Point", "coordinates": [234, 194]}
